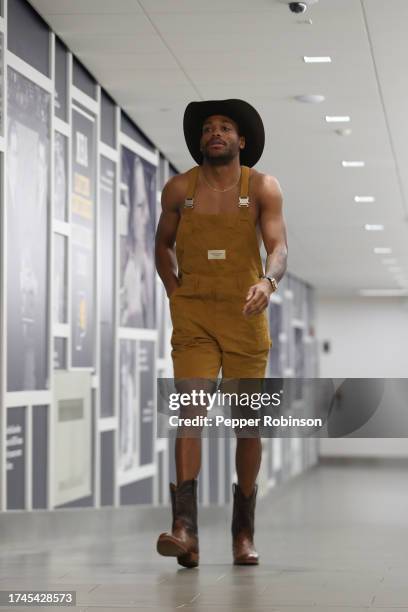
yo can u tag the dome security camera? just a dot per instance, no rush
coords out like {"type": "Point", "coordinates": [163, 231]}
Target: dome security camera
{"type": "Point", "coordinates": [297, 7]}
{"type": "Point", "coordinates": [301, 7]}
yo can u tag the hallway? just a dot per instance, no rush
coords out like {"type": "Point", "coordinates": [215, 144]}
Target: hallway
{"type": "Point", "coordinates": [333, 539]}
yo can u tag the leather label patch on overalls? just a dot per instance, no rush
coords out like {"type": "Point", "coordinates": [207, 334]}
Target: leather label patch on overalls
{"type": "Point", "coordinates": [216, 254]}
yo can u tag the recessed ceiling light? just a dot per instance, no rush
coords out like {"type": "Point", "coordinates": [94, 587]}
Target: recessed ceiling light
{"type": "Point", "coordinates": [310, 98]}
{"type": "Point", "coordinates": [353, 164]}
{"type": "Point", "coordinates": [344, 131]}
{"type": "Point", "coordinates": [316, 59]}
{"type": "Point", "coordinates": [337, 119]}
{"type": "Point", "coordinates": [382, 250]}
{"type": "Point", "coordinates": [372, 227]}
{"type": "Point", "coordinates": [390, 261]}
{"type": "Point", "coordinates": [383, 292]}
{"type": "Point", "coordinates": [364, 199]}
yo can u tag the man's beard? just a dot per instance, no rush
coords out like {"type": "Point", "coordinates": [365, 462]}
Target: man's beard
{"type": "Point", "coordinates": [220, 160]}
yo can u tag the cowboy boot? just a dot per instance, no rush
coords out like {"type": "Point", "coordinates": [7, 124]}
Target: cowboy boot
{"type": "Point", "coordinates": [242, 528]}
{"type": "Point", "coordinates": [182, 542]}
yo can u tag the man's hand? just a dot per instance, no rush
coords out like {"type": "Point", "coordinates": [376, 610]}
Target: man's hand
{"type": "Point", "coordinates": [257, 298]}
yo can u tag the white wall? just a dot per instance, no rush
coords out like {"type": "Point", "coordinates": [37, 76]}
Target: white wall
{"type": "Point", "coordinates": [368, 339]}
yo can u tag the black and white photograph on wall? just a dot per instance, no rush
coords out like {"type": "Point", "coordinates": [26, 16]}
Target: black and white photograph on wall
{"type": "Point", "coordinates": [28, 156]}
{"type": "Point", "coordinates": [107, 283]}
{"type": "Point", "coordinates": [147, 378]}
{"type": "Point", "coordinates": [162, 307]}
{"type": "Point", "coordinates": [82, 238]}
{"type": "Point", "coordinates": [60, 176]}
{"type": "Point", "coordinates": [128, 446]}
{"type": "Point", "coordinates": [137, 231]}
{"type": "Point", "coordinates": [162, 320]}
{"type": "Point", "coordinates": [162, 314]}
{"type": "Point", "coordinates": [60, 278]}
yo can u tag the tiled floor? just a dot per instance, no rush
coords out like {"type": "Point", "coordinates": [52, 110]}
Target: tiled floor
{"type": "Point", "coordinates": [333, 540]}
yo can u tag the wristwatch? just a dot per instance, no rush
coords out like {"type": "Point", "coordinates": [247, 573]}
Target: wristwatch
{"type": "Point", "coordinates": [272, 280]}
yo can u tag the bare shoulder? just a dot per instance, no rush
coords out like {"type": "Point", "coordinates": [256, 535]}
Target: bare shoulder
{"type": "Point", "coordinates": [266, 188]}
{"type": "Point", "coordinates": [174, 192]}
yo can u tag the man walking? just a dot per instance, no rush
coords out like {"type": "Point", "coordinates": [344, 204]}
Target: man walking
{"type": "Point", "coordinates": [217, 213]}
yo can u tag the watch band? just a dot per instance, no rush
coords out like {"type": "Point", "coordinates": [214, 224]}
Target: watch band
{"type": "Point", "coordinates": [272, 280]}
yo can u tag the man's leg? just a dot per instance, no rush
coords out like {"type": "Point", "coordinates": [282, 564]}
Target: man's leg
{"type": "Point", "coordinates": [247, 460]}
{"type": "Point", "coordinates": [248, 456]}
{"type": "Point", "coordinates": [248, 452]}
{"type": "Point", "coordinates": [188, 441]}
{"type": "Point", "coordinates": [182, 542]}
{"type": "Point", "coordinates": [188, 458]}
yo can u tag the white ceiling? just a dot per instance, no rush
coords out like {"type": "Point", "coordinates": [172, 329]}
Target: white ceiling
{"type": "Point", "coordinates": [155, 56]}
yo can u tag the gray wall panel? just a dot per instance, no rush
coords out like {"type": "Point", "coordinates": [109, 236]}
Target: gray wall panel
{"type": "Point", "coordinates": [83, 79]}
{"type": "Point", "coordinates": [130, 129]}
{"type": "Point", "coordinates": [28, 35]}
{"type": "Point", "coordinates": [140, 492]}
{"type": "Point", "coordinates": [108, 120]}
{"type": "Point", "coordinates": [61, 82]}
{"type": "Point", "coordinates": [107, 468]}
{"type": "Point", "coordinates": [16, 458]}
{"type": "Point", "coordinates": [39, 456]}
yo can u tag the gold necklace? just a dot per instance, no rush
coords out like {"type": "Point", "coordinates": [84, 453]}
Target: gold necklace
{"type": "Point", "coordinates": [220, 190]}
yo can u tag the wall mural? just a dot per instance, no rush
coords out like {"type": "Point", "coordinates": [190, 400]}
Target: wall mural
{"type": "Point", "coordinates": [28, 156]}
{"type": "Point", "coordinates": [82, 241]}
{"type": "Point", "coordinates": [137, 230]}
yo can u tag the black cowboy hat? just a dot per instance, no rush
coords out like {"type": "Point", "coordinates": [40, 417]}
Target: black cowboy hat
{"type": "Point", "coordinates": [248, 120]}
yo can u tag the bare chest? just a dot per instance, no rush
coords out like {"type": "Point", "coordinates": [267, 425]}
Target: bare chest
{"type": "Point", "coordinates": [207, 201]}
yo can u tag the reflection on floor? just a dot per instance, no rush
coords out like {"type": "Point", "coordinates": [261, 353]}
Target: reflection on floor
{"type": "Point", "coordinates": [334, 539]}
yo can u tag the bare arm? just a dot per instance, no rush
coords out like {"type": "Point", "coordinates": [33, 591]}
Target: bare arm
{"type": "Point", "coordinates": [273, 230]}
{"type": "Point", "coordinates": [166, 264]}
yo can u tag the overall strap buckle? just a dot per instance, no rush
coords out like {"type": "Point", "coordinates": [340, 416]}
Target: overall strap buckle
{"type": "Point", "coordinates": [243, 202]}
{"type": "Point", "coordinates": [244, 187]}
{"type": "Point", "coordinates": [192, 182]}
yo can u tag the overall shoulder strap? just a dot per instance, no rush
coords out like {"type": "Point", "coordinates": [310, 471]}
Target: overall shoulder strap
{"type": "Point", "coordinates": [192, 182]}
{"type": "Point", "coordinates": [244, 187]}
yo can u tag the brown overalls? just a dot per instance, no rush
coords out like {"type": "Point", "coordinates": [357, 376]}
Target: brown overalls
{"type": "Point", "coordinates": [218, 260]}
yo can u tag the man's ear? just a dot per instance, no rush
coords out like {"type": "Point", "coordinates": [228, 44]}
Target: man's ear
{"type": "Point", "coordinates": [242, 142]}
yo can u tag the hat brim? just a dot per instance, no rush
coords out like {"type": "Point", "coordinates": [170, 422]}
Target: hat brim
{"type": "Point", "coordinates": [246, 116]}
